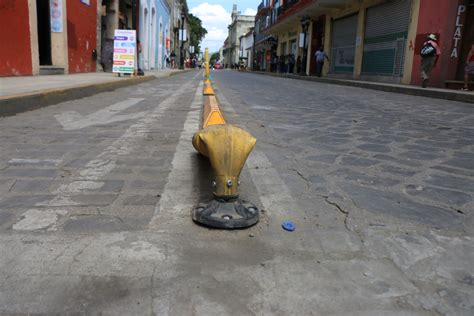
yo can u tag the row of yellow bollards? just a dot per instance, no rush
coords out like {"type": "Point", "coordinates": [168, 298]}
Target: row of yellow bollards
{"type": "Point", "coordinates": [227, 147]}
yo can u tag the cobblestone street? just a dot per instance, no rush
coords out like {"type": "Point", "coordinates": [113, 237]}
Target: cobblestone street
{"type": "Point", "coordinates": [96, 195]}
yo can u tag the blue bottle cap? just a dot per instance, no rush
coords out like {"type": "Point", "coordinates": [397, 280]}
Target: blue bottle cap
{"type": "Point", "coordinates": [288, 225]}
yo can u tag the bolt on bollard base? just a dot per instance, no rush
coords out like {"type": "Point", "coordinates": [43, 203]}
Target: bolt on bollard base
{"type": "Point", "coordinates": [227, 214]}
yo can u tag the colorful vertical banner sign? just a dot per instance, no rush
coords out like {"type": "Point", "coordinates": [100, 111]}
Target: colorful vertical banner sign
{"type": "Point", "coordinates": [125, 45]}
{"type": "Point", "coordinates": [56, 12]}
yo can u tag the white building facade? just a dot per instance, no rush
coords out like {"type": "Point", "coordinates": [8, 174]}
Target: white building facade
{"type": "Point", "coordinates": [246, 48]}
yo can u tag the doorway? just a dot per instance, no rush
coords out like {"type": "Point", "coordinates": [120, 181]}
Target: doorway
{"type": "Point", "coordinates": [44, 32]}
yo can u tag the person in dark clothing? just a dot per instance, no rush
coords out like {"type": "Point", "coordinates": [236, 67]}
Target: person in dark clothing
{"type": "Point", "coordinates": [291, 63]}
{"type": "Point", "coordinates": [429, 61]}
{"type": "Point", "coordinates": [298, 64]}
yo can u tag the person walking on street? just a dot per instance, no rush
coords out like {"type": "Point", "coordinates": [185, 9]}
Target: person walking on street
{"type": "Point", "coordinates": [469, 69]}
{"type": "Point", "coordinates": [319, 56]}
{"type": "Point", "coordinates": [429, 58]}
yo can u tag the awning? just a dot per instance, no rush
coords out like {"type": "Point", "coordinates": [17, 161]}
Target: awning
{"type": "Point", "coordinates": [267, 42]}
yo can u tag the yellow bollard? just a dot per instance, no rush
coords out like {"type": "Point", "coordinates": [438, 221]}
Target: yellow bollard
{"type": "Point", "coordinates": [207, 69]}
{"type": "Point", "coordinates": [208, 90]}
{"type": "Point", "coordinates": [227, 147]}
{"type": "Point", "coordinates": [211, 114]}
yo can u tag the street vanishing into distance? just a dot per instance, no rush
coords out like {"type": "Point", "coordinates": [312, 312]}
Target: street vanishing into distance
{"type": "Point", "coordinates": [96, 197]}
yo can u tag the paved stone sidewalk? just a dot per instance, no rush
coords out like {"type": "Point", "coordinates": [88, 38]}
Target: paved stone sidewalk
{"type": "Point", "coordinates": [12, 86]}
{"type": "Point", "coordinates": [432, 92]}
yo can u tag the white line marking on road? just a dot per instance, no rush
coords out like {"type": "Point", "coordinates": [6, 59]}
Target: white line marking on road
{"type": "Point", "coordinates": [38, 220]}
{"type": "Point", "coordinates": [20, 161]}
{"type": "Point", "coordinates": [125, 144]}
{"type": "Point", "coordinates": [180, 193]}
{"type": "Point", "coordinates": [273, 192]}
{"type": "Point", "coordinates": [80, 186]}
{"type": "Point", "coordinates": [96, 169]}
{"type": "Point", "coordinates": [72, 120]}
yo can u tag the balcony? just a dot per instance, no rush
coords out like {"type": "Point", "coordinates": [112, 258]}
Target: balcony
{"type": "Point", "coordinates": [286, 6]}
{"type": "Point", "coordinates": [263, 8]}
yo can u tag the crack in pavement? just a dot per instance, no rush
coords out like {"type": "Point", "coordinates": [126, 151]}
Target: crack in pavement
{"type": "Point", "coordinates": [341, 210]}
{"type": "Point", "coordinates": [308, 184]}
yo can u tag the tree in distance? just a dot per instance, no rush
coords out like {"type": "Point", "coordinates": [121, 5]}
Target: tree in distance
{"type": "Point", "coordinates": [214, 58]}
{"type": "Point", "coordinates": [197, 32]}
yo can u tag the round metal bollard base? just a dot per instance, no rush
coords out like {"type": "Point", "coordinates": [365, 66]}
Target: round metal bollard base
{"type": "Point", "coordinates": [224, 214]}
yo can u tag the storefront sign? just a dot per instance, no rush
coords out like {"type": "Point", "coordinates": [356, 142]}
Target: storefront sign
{"type": "Point", "coordinates": [458, 31]}
{"type": "Point", "coordinates": [301, 42]}
{"type": "Point", "coordinates": [56, 12]}
{"type": "Point", "coordinates": [183, 37]}
{"type": "Point", "coordinates": [124, 51]}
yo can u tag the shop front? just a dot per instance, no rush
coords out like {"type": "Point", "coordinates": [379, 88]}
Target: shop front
{"type": "Point", "coordinates": [343, 39]}
{"type": "Point", "coordinates": [265, 54]}
{"type": "Point", "coordinates": [385, 40]}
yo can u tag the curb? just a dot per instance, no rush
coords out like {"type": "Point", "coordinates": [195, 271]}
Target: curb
{"type": "Point", "coordinates": [12, 105]}
{"type": "Point", "coordinates": [411, 90]}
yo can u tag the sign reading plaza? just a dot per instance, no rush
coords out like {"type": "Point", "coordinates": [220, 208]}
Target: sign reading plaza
{"type": "Point", "coordinates": [125, 51]}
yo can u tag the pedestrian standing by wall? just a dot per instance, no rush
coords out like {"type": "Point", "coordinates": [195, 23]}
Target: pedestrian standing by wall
{"type": "Point", "coordinates": [429, 58]}
{"type": "Point", "coordinates": [469, 69]}
{"type": "Point", "coordinates": [298, 64]}
{"type": "Point", "coordinates": [291, 63]}
{"type": "Point", "coordinates": [319, 56]}
{"type": "Point", "coordinates": [173, 60]}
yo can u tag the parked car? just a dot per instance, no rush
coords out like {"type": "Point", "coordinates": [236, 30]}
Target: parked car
{"type": "Point", "coordinates": [218, 66]}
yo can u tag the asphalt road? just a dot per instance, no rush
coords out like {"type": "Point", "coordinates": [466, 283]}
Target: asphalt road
{"type": "Point", "coordinates": [96, 194]}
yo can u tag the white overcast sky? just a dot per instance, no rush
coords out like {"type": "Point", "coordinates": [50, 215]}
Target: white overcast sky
{"type": "Point", "coordinates": [215, 17]}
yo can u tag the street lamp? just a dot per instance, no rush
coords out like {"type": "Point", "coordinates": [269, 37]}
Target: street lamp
{"type": "Point", "coordinates": [305, 25]}
{"type": "Point", "coordinates": [181, 54]}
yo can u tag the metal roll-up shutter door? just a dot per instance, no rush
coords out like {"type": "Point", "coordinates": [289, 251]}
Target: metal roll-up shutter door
{"type": "Point", "coordinates": [344, 32]}
{"type": "Point", "coordinates": [386, 34]}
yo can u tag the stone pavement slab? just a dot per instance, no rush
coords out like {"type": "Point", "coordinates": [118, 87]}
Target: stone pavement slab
{"type": "Point", "coordinates": [19, 94]}
{"type": "Point", "coordinates": [12, 86]}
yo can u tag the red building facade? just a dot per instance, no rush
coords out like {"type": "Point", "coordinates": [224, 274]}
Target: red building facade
{"type": "Point", "coordinates": [15, 56]}
{"type": "Point", "coordinates": [453, 23]}
{"type": "Point", "coordinates": [81, 35]}
{"type": "Point", "coordinates": [49, 37]}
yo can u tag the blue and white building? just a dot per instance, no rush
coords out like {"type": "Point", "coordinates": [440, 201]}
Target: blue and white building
{"type": "Point", "coordinates": [154, 33]}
